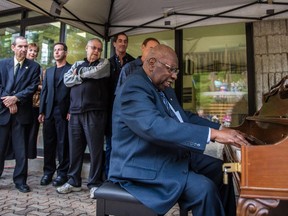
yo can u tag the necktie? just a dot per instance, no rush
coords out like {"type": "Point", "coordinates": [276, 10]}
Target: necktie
{"type": "Point", "coordinates": [16, 69]}
{"type": "Point", "coordinates": [166, 103]}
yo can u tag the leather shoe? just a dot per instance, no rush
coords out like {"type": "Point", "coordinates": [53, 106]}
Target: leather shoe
{"type": "Point", "coordinates": [59, 181]}
{"type": "Point", "coordinates": [23, 188]}
{"type": "Point", "coordinates": [45, 180]}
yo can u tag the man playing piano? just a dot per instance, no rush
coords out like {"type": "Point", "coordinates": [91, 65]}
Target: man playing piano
{"type": "Point", "coordinates": [157, 152]}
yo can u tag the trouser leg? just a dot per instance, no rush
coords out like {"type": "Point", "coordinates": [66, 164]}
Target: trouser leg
{"type": "Point", "coordinates": [94, 130]}
{"type": "Point", "coordinates": [19, 143]}
{"type": "Point", "coordinates": [61, 126]}
{"type": "Point", "coordinates": [212, 168]}
{"type": "Point", "coordinates": [77, 145]}
{"type": "Point", "coordinates": [49, 143]}
{"type": "Point", "coordinates": [201, 196]}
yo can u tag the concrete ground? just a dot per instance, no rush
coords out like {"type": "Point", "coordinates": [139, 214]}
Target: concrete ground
{"type": "Point", "coordinates": [44, 200]}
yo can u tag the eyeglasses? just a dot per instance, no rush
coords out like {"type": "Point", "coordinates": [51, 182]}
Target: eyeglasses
{"type": "Point", "coordinates": [170, 68]}
{"type": "Point", "coordinates": [96, 48]}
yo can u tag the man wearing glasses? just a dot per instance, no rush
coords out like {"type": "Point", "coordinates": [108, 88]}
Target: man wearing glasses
{"type": "Point", "coordinates": [88, 80]}
{"type": "Point", "coordinates": [157, 153]}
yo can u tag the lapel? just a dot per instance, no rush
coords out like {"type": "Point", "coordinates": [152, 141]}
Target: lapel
{"type": "Point", "coordinates": [171, 96]}
{"type": "Point", "coordinates": [10, 69]}
{"type": "Point", "coordinates": [51, 78]}
{"type": "Point", "coordinates": [172, 99]}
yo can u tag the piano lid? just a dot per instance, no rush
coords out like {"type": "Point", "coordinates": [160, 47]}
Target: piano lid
{"type": "Point", "coordinates": [275, 102]}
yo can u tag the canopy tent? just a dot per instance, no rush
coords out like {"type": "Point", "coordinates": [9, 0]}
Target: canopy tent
{"type": "Point", "coordinates": [105, 18]}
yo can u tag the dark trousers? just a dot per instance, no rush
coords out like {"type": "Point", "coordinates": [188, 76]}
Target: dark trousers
{"type": "Point", "coordinates": [205, 192]}
{"type": "Point", "coordinates": [86, 129]}
{"type": "Point", "coordinates": [18, 141]}
{"type": "Point", "coordinates": [55, 135]}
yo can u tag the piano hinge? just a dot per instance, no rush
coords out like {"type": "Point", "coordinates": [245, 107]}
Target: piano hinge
{"type": "Point", "coordinates": [229, 168]}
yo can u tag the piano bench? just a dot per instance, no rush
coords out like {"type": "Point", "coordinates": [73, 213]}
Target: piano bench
{"type": "Point", "coordinates": [114, 200]}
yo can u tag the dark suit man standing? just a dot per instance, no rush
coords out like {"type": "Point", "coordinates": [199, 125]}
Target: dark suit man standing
{"type": "Point", "coordinates": [157, 147]}
{"type": "Point", "coordinates": [54, 106]}
{"type": "Point", "coordinates": [19, 79]}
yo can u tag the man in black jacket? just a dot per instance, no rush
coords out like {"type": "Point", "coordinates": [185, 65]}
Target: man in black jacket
{"type": "Point", "coordinates": [54, 109]}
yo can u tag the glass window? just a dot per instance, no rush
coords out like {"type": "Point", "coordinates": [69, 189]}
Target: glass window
{"type": "Point", "coordinates": [45, 35]}
{"type": "Point", "coordinates": [135, 42]}
{"type": "Point", "coordinates": [76, 41]}
{"type": "Point", "coordinates": [6, 39]}
{"type": "Point", "coordinates": [215, 74]}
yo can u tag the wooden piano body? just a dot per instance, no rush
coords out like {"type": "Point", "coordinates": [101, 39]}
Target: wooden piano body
{"type": "Point", "coordinates": [263, 180]}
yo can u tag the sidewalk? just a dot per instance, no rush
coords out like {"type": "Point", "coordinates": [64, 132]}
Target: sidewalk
{"type": "Point", "coordinates": [44, 200]}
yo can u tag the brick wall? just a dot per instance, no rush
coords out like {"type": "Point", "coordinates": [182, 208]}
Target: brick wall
{"type": "Point", "coordinates": [271, 54]}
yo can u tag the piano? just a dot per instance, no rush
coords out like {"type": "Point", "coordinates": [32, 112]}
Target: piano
{"type": "Point", "coordinates": [260, 170]}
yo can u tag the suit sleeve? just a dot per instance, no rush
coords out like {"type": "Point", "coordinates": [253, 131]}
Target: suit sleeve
{"type": "Point", "coordinates": [195, 119]}
{"type": "Point", "coordinates": [141, 111]}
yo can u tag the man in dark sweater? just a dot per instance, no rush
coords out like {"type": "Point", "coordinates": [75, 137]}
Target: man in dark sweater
{"type": "Point", "coordinates": [88, 80]}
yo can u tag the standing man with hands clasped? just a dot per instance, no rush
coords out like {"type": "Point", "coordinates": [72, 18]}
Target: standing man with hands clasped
{"type": "Point", "coordinates": [157, 152]}
{"type": "Point", "coordinates": [88, 80]}
{"type": "Point", "coordinates": [54, 109]}
{"type": "Point", "coordinates": [19, 79]}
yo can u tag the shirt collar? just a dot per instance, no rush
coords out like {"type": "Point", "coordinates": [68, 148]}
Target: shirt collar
{"type": "Point", "coordinates": [16, 62]}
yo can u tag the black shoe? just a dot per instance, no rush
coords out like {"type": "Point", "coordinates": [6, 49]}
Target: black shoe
{"type": "Point", "coordinates": [59, 181]}
{"type": "Point", "coordinates": [45, 180]}
{"type": "Point", "coordinates": [23, 188]}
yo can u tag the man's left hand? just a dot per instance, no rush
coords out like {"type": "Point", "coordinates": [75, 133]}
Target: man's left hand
{"type": "Point", "coordinates": [9, 100]}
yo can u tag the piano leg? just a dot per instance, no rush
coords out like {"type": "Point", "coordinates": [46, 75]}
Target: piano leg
{"type": "Point", "coordinates": [255, 207]}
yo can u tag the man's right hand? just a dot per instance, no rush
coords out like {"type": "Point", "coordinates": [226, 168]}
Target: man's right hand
{"type": "Point", "coordinates": [41, 118]}
{"type": "Point", "coordinates": [229, 136]}
{"type": "Point", "coordinates": [13, 109]}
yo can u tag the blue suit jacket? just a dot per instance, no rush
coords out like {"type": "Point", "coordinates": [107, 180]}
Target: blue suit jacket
{"type": "Point", "coordinates": [23, 87]}
{"type": "Point", "coordinates": [150, 150]}
{"type": "Point", "coordinates": [48, 93]}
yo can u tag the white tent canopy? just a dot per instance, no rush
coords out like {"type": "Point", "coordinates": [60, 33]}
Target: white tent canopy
{"type": "Point", "coordinates": [105, 18]}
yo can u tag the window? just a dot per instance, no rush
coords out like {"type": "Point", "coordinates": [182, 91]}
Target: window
{"type": "Point", "coordinates": [76, 41]}
{"type": "Point", "coordinates": [45, 35]}
{"type": "Point", "coordinates": [135, 42]}
{"type": "Point", "coordinates": [215, 74]}
{"type": "Point", "coordinates": [6, 39]}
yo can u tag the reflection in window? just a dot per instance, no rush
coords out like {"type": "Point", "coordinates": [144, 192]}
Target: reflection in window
{"type": "Point", "coordinates": [135, 42]}
{"type": "Point", "coordinates": [215, 74]}
{"type": "Point", "coordinates": [76, 41]}
{"type": "Point", "coordinates": [6, 39]}
{"type": "Point", "coordinates": [44, 35]}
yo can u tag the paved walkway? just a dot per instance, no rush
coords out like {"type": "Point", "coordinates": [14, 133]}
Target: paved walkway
{"type": "Point", "coordinates": [44, 200]}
